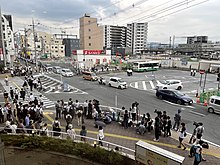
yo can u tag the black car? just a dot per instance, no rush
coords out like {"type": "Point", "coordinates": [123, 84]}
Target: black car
{"type": "Point", "coordinates": [174, 96]}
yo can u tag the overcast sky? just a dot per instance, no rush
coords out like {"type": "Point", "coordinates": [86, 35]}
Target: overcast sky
{"type": "Point", "coordinates": [201, 19]}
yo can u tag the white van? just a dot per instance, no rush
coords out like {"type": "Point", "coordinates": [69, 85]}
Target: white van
{"type": "Point", "coordinates": [214, 104]}
{"type": "Point", "coordinates": [66, 72]}
{"type": "Point", "coordinates": [117, 82]}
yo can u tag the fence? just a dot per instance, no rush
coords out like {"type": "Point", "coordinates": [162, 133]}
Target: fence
{"type": "Point", "coordinates": [78, 139]}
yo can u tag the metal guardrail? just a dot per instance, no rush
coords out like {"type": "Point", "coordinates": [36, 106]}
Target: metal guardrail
{"type": "Point", "coordinates": [78, 139]}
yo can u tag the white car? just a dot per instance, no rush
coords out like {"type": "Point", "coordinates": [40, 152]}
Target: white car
{"type": "Point", "coordinates": [170, 84]}
{"type": "Point", "coordinates": [117, 82]}
{"type": "Point", "coordinates": [66, 72]}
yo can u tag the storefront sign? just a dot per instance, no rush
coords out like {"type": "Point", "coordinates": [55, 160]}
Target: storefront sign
{"type": "Point", "coordinates": [93, 52]}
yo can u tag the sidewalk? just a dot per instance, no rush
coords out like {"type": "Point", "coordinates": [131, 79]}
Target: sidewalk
{"type": "Point", "coordinates": [127, 137]}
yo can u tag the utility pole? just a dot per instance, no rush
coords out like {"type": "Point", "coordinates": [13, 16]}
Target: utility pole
{"type": "Point", "coordinates": [35, 51]}
{"type": "Point", "coordinates": [173, 44]}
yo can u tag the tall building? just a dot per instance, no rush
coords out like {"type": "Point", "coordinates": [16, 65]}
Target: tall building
{"type": "Point", "coordinates": [91, 34]}
{"type": "Point", "coordinates": [137, 37]}
{"type": "Point", "coordinates": [7, 40]}
{"type": "Point", "coordinates": [197, 39]}
{"type": "Point", "coordinates": [114, 38]}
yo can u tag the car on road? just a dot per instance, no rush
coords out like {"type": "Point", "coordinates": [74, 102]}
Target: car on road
{"type": "Point", "coordinates": [91, 76]}
{"type": "Point", "coordinates": [66, 72]}
{"type": "Point", "coordinates": [117, 82]}
{"type": "Point", "coordinates": [214, 104]}
{"type": "Point", "coordinates": [174, 96]}
{"type": "Point", "coordinates": [170, 84]}
{"type": "Point", "coordinates": [57, 69]}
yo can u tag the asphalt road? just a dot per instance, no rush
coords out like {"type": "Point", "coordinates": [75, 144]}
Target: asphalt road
{"type": "Point", "coordinates": [146, 98]}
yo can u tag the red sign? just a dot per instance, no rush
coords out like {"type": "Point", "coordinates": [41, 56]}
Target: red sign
{"type": "Point", "coordinates": [74, 52]}
{"type": "Point", "coordinates": [93, 52]}
{"type": "Point", "coordinates": [202, 71]}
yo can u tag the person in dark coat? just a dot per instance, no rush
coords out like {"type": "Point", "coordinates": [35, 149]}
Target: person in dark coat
{"type": "Point", "coordinates": [22, 94]}
{"type": "Point", "coordinates": [11, 93]}
{"type": "Point", "coordinates": [90, 108]}
{"type": "Point", "coordinates": [125, 119]}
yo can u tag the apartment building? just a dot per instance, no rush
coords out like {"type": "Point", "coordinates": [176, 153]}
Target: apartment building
{"type": "Point", "coordinates": [136, 37]}
{"type": "Point", "coordinates": [51, 45]}
{"type": "Point", "coordinates": [91, 34]}
{"type": "Point", "coordinates": [7, 47]}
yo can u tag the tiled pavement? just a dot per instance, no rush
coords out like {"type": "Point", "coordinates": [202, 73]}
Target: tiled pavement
{"type": "Point", "coordinates": [127, 137]}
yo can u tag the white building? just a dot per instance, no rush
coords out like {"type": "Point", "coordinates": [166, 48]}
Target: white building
{"type": "Point", "coordinates": [8, 39]}
{"type": "Point", "coordinates": [89, 58]}
{"type": "Point", "coordinates": [114, 36]}
{"type": "Point", "coordinates": [137, 37]}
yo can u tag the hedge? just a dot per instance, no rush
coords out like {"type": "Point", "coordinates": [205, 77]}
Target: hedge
{"type": "Point", "coordinates": [82, 150]}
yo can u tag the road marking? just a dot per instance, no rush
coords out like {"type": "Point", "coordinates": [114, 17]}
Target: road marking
{"type": "Point", "coordinates": [136, 84]}
{"type": "Point", "coordinates": [197, 113]}
{"type": "Point", "coordinates": [188, 106]}
{"type": "Point", "coordinates": [152, 84]}
{"type": "Point", "coordinates": [158, 82]}
{"type": "Point", "coordinates": [144, 85]}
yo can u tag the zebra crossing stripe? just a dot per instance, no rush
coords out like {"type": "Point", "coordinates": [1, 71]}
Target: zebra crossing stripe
{"type": "Point", "coordinates": [152, 84]}
{"type": "Point", "coordinates": [144, 85]}
{"type": "Point", "coordinates": [136, 84]}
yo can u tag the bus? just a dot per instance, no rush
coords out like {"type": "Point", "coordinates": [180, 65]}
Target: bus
{"type": "Point", "coordinates": [145, 66]}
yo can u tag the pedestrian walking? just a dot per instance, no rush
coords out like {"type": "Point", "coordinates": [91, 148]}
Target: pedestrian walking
{"type": "Point", "coordinates": [2, 115]}
{"type": "Point", "coordinates": [182, 136]}
{"type": "Point", "coordinates": [169, 126]}
{"type": "Point", "coordinates": [71, 133]}
{"type": "Point", "coordinates": [16, 92]}
{"type": "Point", "coordinates": [100, 136]}
{"type": "Point", "coordinates": [177, 119]}
{"type": "Point", "coordinates": [11, 93]}
{"type": "Point", "coordinates": [5, 94]}
{"type": "Point", "coordinates": [193, 137]}
{"type": "Point", "coordinates": [79, 116]}
{"type": "Point", "coordinates": [133, 111]}
{"type": "Point", "coordinates": [126, 118]}
{"type": "Point", "coordinates": [199, 131]}
{"type": "Point", "coordinates": [6, 80]}
{"type": "Point", "coordinates": [198, 154]}
{"type": "Point", "coordinates": [157, 129]}
{"type": "Point", "coordinates": [83, 133]}
{"type": "Point", "coordinates": [22, 93]}
{"type": "Point", "coordinates": [58, 107]}
{"type": "Point", "coordinates": [85, 108]}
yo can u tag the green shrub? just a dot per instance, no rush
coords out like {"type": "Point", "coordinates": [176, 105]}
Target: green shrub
{"type": "Point", "coordinates": [82, 150]}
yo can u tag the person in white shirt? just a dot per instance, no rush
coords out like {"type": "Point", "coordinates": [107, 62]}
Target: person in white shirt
{"type": "Point", "coordinates": [182, 136]}
{"type": "Point", "coordinates": [31, 98]}
{"type": "Point", "coordinates": [100, 135]}
{"type": "Point", "coordinates": [71, 132]}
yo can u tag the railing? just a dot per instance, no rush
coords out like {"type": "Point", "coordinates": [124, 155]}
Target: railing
{"type": "Point", "coordinates": [78, 139]}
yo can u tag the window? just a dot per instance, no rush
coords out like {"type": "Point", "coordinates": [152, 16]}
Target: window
{"type": "Point", "coordinates": [55, 47]}
{"type": "Point", "coordinates": [56, 51]}
{"type": "Point", "coordinates": [90, 44]}
{"type": "Point", "coordinates": [89, 30]}
{"type": "Point", "coordinates": [61, 51]}
{"type": "Point", "coordinates": [217, 102]}
{"type": "Point", "coordinates": [89, 37]}
{"type": "Point", "coordinates": [89, 21]}
{"type": "Point", "coordinates": [52, 47]}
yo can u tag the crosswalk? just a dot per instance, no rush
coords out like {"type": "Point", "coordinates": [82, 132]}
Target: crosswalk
{"type": "Point", "coordinates": [144, 85]}
{"type": "Point", "coordinates": [51, 85]}
{"type": "Point", "coordinates": [16, 82]}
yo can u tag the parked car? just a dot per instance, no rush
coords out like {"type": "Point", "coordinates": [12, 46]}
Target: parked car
{"type": "Point", "coordinates": [214, 104]}
{"type": "Point", "coordinates": [174, 96]}
{"type": "Point", "coordinates": [57, 69]}
{"type": "Point", "coordinates": [66, 72]}
{"type": "Point", "coordinates": [117, 82]}
{"type": "Point", "coordinates": [170, 84]}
